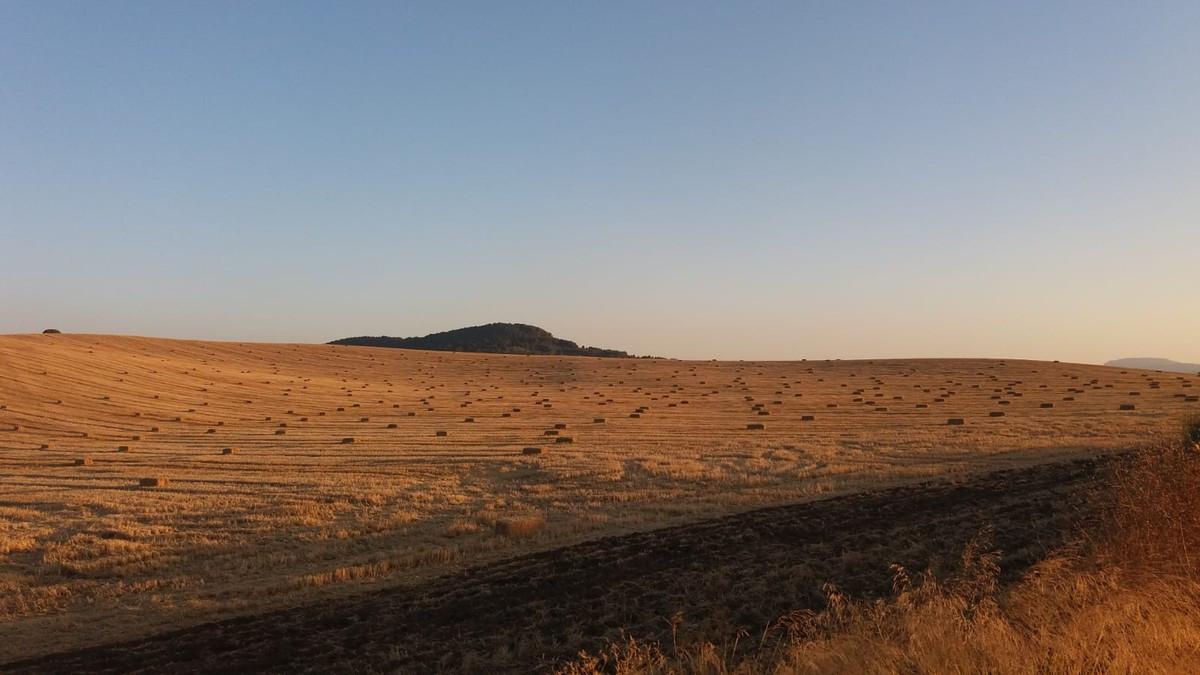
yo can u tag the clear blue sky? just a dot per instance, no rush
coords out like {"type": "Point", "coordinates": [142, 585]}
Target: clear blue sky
{"type": "Point", "coordinates": [730, 180]}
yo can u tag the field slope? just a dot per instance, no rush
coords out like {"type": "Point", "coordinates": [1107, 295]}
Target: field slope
{"type": "Point", "coordinates": [352, 469]}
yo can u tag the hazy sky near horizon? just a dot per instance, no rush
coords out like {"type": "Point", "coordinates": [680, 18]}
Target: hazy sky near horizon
{"type": "Point", "coordinates": [693, 179]}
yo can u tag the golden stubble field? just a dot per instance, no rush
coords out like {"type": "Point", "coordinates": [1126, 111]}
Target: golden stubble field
{"type": "Point", "coordinates": [356, 466]}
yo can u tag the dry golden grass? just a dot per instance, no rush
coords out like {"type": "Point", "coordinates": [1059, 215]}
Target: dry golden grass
{"type": "Point", "coordinates": [87, 555]}
{"type": "Point", "coordinates": [1125, 599]}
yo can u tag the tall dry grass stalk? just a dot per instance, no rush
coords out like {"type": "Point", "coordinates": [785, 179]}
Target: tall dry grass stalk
{"type": "Point", "coordinates": [1125, 598]}
{"type": "Point", "coordinates": [1154, 523]}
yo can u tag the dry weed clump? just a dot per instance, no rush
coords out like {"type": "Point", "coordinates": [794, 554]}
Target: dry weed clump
{"type": "Point", "coordinates": [520, 526]}
{"type": "Point", "coordinates": [1191, 430]}
{"type": "Point", "coordinates": [1154, 523]}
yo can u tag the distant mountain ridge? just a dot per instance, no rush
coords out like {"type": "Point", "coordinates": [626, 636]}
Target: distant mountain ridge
{"type": "Point", "coordinates": [1149, 363]}
{"type": "Point", "coordinates": [492, 338]}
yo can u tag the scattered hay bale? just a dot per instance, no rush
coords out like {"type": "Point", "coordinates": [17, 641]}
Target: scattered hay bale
{"type": "Point", "coordinates": [506, 414]}
{"type": "Point", "coordinates": [469, 419]}
{"type": "Point", "coordinates": [520, 526]}
{"type": "Point", "coordinates": [349, 440]}
{"type": "Point", "coordinates": [440, 433]}
{"type": "Point", "coordinates": [154, 481]}
{"type": "Point", "coordinates": [955, 421]}
{"type": "Point", "coordinates": [1046, 405]}
{"type": "Point", "coordinates": [364, 419]}
{"type": "Point", "coordinates": [995, 413]}
{"type": "Point", "coordinates": [764, 412]}
{"type": "Point", "coordinates": [280, 432]}
{"type": "Point", "coordinates": [1128, 406]}
{"type": "Point", "coordinates": [756, 425]}
{"type": "Point", "coordinates": [922, 405]}
{"type": "Point", "coordinates": [531, 451]}
{"type": "Point", "coordinates": [807, 418]}
{"type": "Point", "coordinates": [83, 461]}
{"type": "Point", "coordinates": [229, 451]}
{"type": "Point", "coordinates": [599, 420]}
{"type": "Point", "coordinates": [635, 414]}
{"type": "Point", "coordinates": [393, 425]}
{"type": "Point", "coordinates": [122, 448]}
{"type": "Point", "coordinates": [564, 439]}
{"type": "Point", "coordinates": [560, 425]}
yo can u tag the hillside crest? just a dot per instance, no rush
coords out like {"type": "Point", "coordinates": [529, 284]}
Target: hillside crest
{"type": "Point", "coordinates": [492, 338]}
{"type": "Point", "coordinates": [1149, 363]}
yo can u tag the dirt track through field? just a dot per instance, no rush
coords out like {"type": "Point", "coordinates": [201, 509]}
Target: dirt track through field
{"type": "Point", "coordinates": [739, 571]}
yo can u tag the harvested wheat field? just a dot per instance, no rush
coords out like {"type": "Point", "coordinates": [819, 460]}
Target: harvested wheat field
{"type": "Point", "coordinates": [150, 484]}
{"type": "Point", "coordinates": [702, 581]}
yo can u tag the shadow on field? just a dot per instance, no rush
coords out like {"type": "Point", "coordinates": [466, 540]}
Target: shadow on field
{"type": "Point", "coordinates": [708, 580]}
